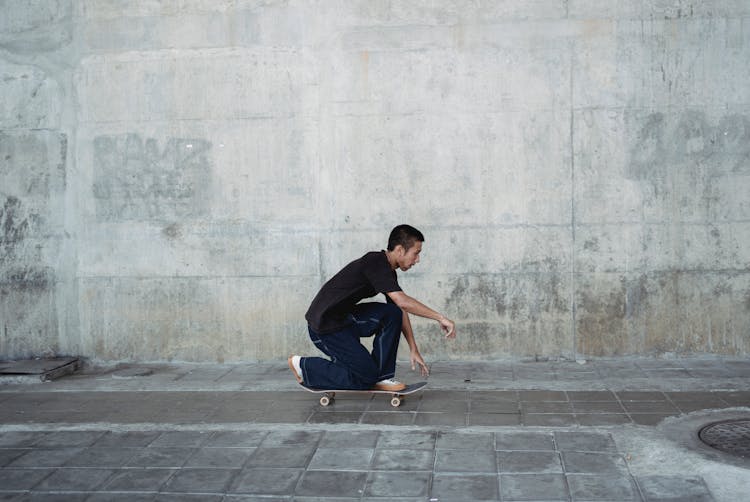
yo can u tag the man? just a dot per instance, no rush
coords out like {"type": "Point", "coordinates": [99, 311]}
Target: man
{"type": "Point", "coordinates": [336, 321]}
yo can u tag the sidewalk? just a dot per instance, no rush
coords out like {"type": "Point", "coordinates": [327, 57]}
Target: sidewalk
{"type": "Point", "coordinates": [619, 429]}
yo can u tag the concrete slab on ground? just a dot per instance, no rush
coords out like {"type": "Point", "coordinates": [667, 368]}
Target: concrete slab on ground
{"type": "Point", "coordinates": [501, 431]}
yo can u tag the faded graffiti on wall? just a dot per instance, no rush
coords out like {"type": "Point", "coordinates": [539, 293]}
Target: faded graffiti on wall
{"type": "Point", "coordinates": [135, 179]}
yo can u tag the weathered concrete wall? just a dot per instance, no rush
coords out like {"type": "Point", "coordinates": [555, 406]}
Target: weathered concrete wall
{"type": "Point", "coordinates": [36, 271]}
{"type": "Point", "coordinates": [179, 177]}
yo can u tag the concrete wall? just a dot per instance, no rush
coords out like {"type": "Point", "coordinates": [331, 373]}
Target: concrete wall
{"type": "Point", "coordinates": [178, 178]}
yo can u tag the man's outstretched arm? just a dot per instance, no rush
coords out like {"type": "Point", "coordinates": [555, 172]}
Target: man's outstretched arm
{"type": "Point", "coordinates": [412, 306]}
{"type": "Point", "coordinates": [415, 357]}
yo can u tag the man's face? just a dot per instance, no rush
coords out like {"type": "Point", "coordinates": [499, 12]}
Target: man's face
{"type": "Point", "coordinates": [407, 259]}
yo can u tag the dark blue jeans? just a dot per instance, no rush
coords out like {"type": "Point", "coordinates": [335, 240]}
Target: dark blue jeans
{"type": "Point", "coordinates": [351, 365]}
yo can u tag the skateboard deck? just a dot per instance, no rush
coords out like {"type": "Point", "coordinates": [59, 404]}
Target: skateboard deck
{"type": "Point", "coordinates": [396, 396]}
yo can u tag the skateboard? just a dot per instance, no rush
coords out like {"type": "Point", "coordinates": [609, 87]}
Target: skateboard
{"type": "Point", "coordinates": [396, 396]}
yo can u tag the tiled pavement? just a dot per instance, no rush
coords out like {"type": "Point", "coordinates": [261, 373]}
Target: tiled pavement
{"type": "Point", "coordinates": [346, 465]}
{"type": "Point", "coordinates": [544, 432]}
{"type": "Point", "coordinates": [431, 408]}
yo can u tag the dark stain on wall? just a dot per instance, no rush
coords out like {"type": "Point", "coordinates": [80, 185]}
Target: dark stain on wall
{"type": "Point", "coordinates": [603, 312]}
{"type": "Point", "coordinates": [13, 224]}
{"type": "Point", "coordinates": [172, 231]}
{"type": "Point", "coordinates": [27, 279]}
{"type": "Point", "coordinates": [135, 179]}
{"type": "Point", "coordinates": [518, 296]}
{"type": "Point", "coordinates": [692, 141]}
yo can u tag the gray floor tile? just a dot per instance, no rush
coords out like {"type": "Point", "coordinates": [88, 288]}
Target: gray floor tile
{"type": "Point", "coordinates": [121, 497]}
{"type": "Point", "coordinates": [529, 461]}
{"type": "Point", "coordinates": [342, 458]}
{"type": "Point", "coordinates": [126, 439]}
{"type": "Point", "coordinates": [74, 480]}
{"type": "Point", "coordinates": [160, 457]}
{"type": "Point", "coordinates": [548, 420]}
{"type": "Point", "coordinates": [398, 484]}
{"type": "Point", "coordinates": [440, 419]}
{"type": "Point", "coordinates": [187, 497]}
{"type": "Point", "coordinates": [585, 488]}
{"type": "Point", "coordinates": [292, 438]}
{"type": "Point", "coordinates": [602, 419]}
{"type": "Point", "coordinates": [593, 463]}
{"type": "Point", "coordinates": [465, 461]}
{"type": "Point", "coordinates": [597, 407]}
{"type": "Point", "coordinates": [452, 487]}
{"type": "Point", "coordinates": [266, 481]}
{"type": "Point", "coordinates": [533, 487]}
{"type": "Point", "coordinates": [138, 480]}
{"type": "Point", "coordinates": [468, 441]}
{"type": "Point", "coordinates": [735, 398]}
{"type": "Point", "coordinates": [626, 396]}
{"type": "Point", "coordinates": [585, 441]}
{"type": "Point", "coordinates": [493, 419]}
{"type": "Point", "coordinates": [225, 458]}
{"type": "Point", "coordinates": [649, 418]}
{"type": "Point", "coordinates": [7, 455]}
{"type": "Point", "coordinates": [183, 439]}
{"type": "Point", "coordinates": [332, 484]}
{"type": "Point", "coordinates": [691, 406]}
{"type": "Point", "coordinates": [102, 457]}
{"type": "Point", "coordinates": [403, 460]}
{"type": "Point", "coordinates": [495, 407]}
{"type": "Point", "coordinates": [524, 441]}
{"type": "Point", "coordinates": [68, 438]}
{"type": "Point", "coordinates": [235, 439]}
{"type": "Point", "coordinates": [14, 439]}
{"type": "Point", "coordinates": [542, 395]}
{"type": "Point", "coordinates": [388, 499]}
{"type": "Point", "coordinates": [335, 417]}
{"type": "Point", "coordinates": [282, 416]}
{"type": "Point", "coordinates": [386, 418]}
{"type": "Point", "coordinates": [592, 396]}
{"type": "Point", "coordinates": [349, 439]}
{"type": "Point", "coordinates": [414, 440]}
{"type": "Point", "coordinates": [45, 457]}
{"type": "Point", "coordinates": [649, 407]}
{"type": "Point", "coordinates": [68, 496]}
{"type": "Point", "coordinates": [22, 479]}
{"type": "Point", "coordinates": [328, 499]}
{"type": "Point", "coordinates": [493, 395]}
{"type": "Point", "coordinates": [544, 407]}
{"type": "Point", "coordinates": [444, 406]}
{"type": "Point", "coordinates": [281, 456]}
{"type": "Point", "coordinates": [674, 489]}
{"type": "Point", "coordinates": [253, 498]}
{"type": "Point", "coordinates": [200, 481]}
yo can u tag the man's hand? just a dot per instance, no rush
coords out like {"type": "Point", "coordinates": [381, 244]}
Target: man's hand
{"type": "Point", "coordinates": [448, 326]}
{"type": "Point", "coordinates": [416, 359]}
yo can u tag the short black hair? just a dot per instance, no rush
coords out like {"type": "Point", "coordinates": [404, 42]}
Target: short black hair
{"type": "Point", "coordinates": [405, 235]}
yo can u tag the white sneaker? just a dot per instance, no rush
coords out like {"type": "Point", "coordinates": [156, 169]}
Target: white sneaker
{"type": "Point", "coordinates": [294, 365]}
{"type": "Point", "coordinates": [389, 384]}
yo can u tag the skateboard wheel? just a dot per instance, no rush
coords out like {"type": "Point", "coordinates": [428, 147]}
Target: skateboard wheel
{"type": "Point", "coordinates": [325, 401]}
{"type": "Point", "coordinates": [396, 402]}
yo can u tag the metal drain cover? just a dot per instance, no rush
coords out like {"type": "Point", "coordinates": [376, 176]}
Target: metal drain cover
{"type": "Point", "coordinates": [729, 436]}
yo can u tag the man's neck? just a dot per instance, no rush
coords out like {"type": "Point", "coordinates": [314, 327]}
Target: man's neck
{"type": "Point", "coordinates": [390, 255]}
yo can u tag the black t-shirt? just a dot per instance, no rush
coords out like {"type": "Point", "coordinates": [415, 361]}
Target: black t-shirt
{"type": "Point", "coordinates": [362, 278]}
